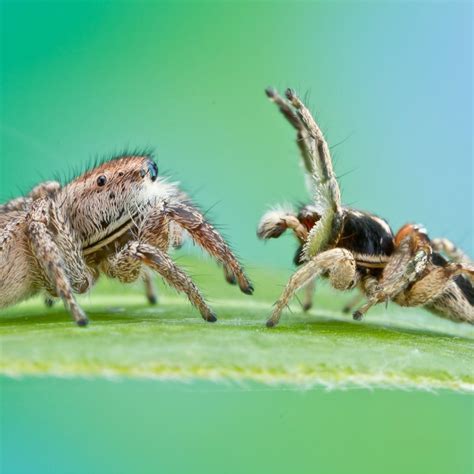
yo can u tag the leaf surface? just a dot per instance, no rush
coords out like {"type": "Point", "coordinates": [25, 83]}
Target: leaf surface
{"type": "Point", "coordinates": [394, 347]}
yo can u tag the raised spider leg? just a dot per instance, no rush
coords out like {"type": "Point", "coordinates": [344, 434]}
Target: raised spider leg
{"type": "Point", "coordinates": [340, 265]}
{"type": "Point", "coordinates": [175, 276]}
{"type": "Point", "coordinates": [322, 180]}
{"type": "Point", "coordinates": [322, 164]}
{"type": "Point", "coordinates": [313, 147]}
{"type": "Point", "coordinates": [203, 233]}
{"type": "Point", "coordinates": [302, 137]}
{"type": "Point", "coordinates": [51, 261]}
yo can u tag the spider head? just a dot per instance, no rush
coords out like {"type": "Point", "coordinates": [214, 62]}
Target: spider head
{"type": "Point", "coordinates": [112, 195]}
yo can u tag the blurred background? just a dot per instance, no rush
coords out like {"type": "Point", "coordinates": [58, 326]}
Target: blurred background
{"type": "Point", "coordinates": [391, 86]}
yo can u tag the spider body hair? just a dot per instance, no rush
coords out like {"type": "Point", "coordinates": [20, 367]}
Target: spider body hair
{"type": "Point", "coordinates": [119, 219]}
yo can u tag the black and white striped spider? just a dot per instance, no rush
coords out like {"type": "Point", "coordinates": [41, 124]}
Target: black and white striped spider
{"type": "Point", "coordinates": [358, 249]}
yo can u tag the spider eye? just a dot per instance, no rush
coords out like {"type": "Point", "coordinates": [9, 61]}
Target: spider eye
{"type": "Point", "coordinates": [101, 180]}
{"type": "Point", "coordinates": [153, 170]}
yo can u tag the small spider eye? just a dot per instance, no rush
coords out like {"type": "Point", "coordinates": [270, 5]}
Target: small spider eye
{"type": "Point", "coordinates": [101, 180]}
{"type": "Point", "coordinates": [153, 170]}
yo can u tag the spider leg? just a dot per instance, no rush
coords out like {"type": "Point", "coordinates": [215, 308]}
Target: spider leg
{"type": "Point", "coordinates": [52, 262]}
{"type": "Point", "coordinates": [309, 290]}
{"type": "Point", "coordinates": [352, 303]}
{"type": "Point", "coordinates": [323, 174]}
{"type": "Point", "coordinates": [317, 159]}
{"type": "Point", "coordinates": [340, 265]}
{"type": "Point", "coordinates": [49, 302]}
{"type": "Point", "coordinates": [368, 286]}
{"type": "Point", "coordinates": [433, 284]}
{"type": "Point", "coordinates": [46, 189]}
{"type": "Point", "coordinates": [149, 288]}
{"type": "Point", "coordinates": [407, 263]}
{"type": "Point", "coordinates": [17, 204]}
{"type": "Point", "coordinates": [302, 137]}
{"type": "Point", "coordinates": [176, 236]}
{"type": "Point", "coordinates": [172, 214]}
{"type": "Point", "coordinates": [313, 148]}
{"type": "Point", "coordinates": [161, 262]}
{"type": "Point", "coordinates": [276, 221]}
{"type": "Point", "coordinates": [126, 266]}
{"type": "Point", "coordinates": [229, 276]}
{"type": "Point", "coordinates": [449, 296]}
{"type": "Point", "coordinates": [450, 250]}
{"type": "Point", "coordinates": [204, 234]}
{"type": "Point", "coordinates": [445, 290]}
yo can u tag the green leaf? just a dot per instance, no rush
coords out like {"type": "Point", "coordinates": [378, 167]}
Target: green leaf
{"type": "Point", "coordinates": [394, 347]}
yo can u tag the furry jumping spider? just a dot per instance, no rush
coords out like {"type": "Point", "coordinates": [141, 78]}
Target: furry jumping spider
{"type": "Point", "coordinates": [118, 219]}
{"type": "Point", "coordinates": [358, 249]}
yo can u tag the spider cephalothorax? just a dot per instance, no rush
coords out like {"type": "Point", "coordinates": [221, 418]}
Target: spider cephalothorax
{"type": "Point", "coordinates": [358, 249]}
{"type": "Point", "coordinates": [115, 219]}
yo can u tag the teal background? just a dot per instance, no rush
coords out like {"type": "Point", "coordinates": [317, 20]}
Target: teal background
{"type": "Point", "coordinates": [391, 85]}
{"type": "Point", "coordinates": [393, 82]}
{"type": "Point", "coordinates": [76, 427]}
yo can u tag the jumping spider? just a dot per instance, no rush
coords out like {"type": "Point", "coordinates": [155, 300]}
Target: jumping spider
{"type": "Point", "coordinates": [358, 249]}
{"type": "Point", "coordinates": [115, 220]}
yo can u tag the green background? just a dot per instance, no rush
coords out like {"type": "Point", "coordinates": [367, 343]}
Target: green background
{"type": "Point", "coordinates": [391, 85]}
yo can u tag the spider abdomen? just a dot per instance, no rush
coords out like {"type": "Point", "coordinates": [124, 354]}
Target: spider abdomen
{"type": "Point", "coordinates": [368, 237]}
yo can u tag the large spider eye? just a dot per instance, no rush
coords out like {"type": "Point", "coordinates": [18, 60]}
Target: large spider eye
{"type": "Point", "coordinates": [153, 169]}
{"type": "Point", "coordinates": [101, 180]}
